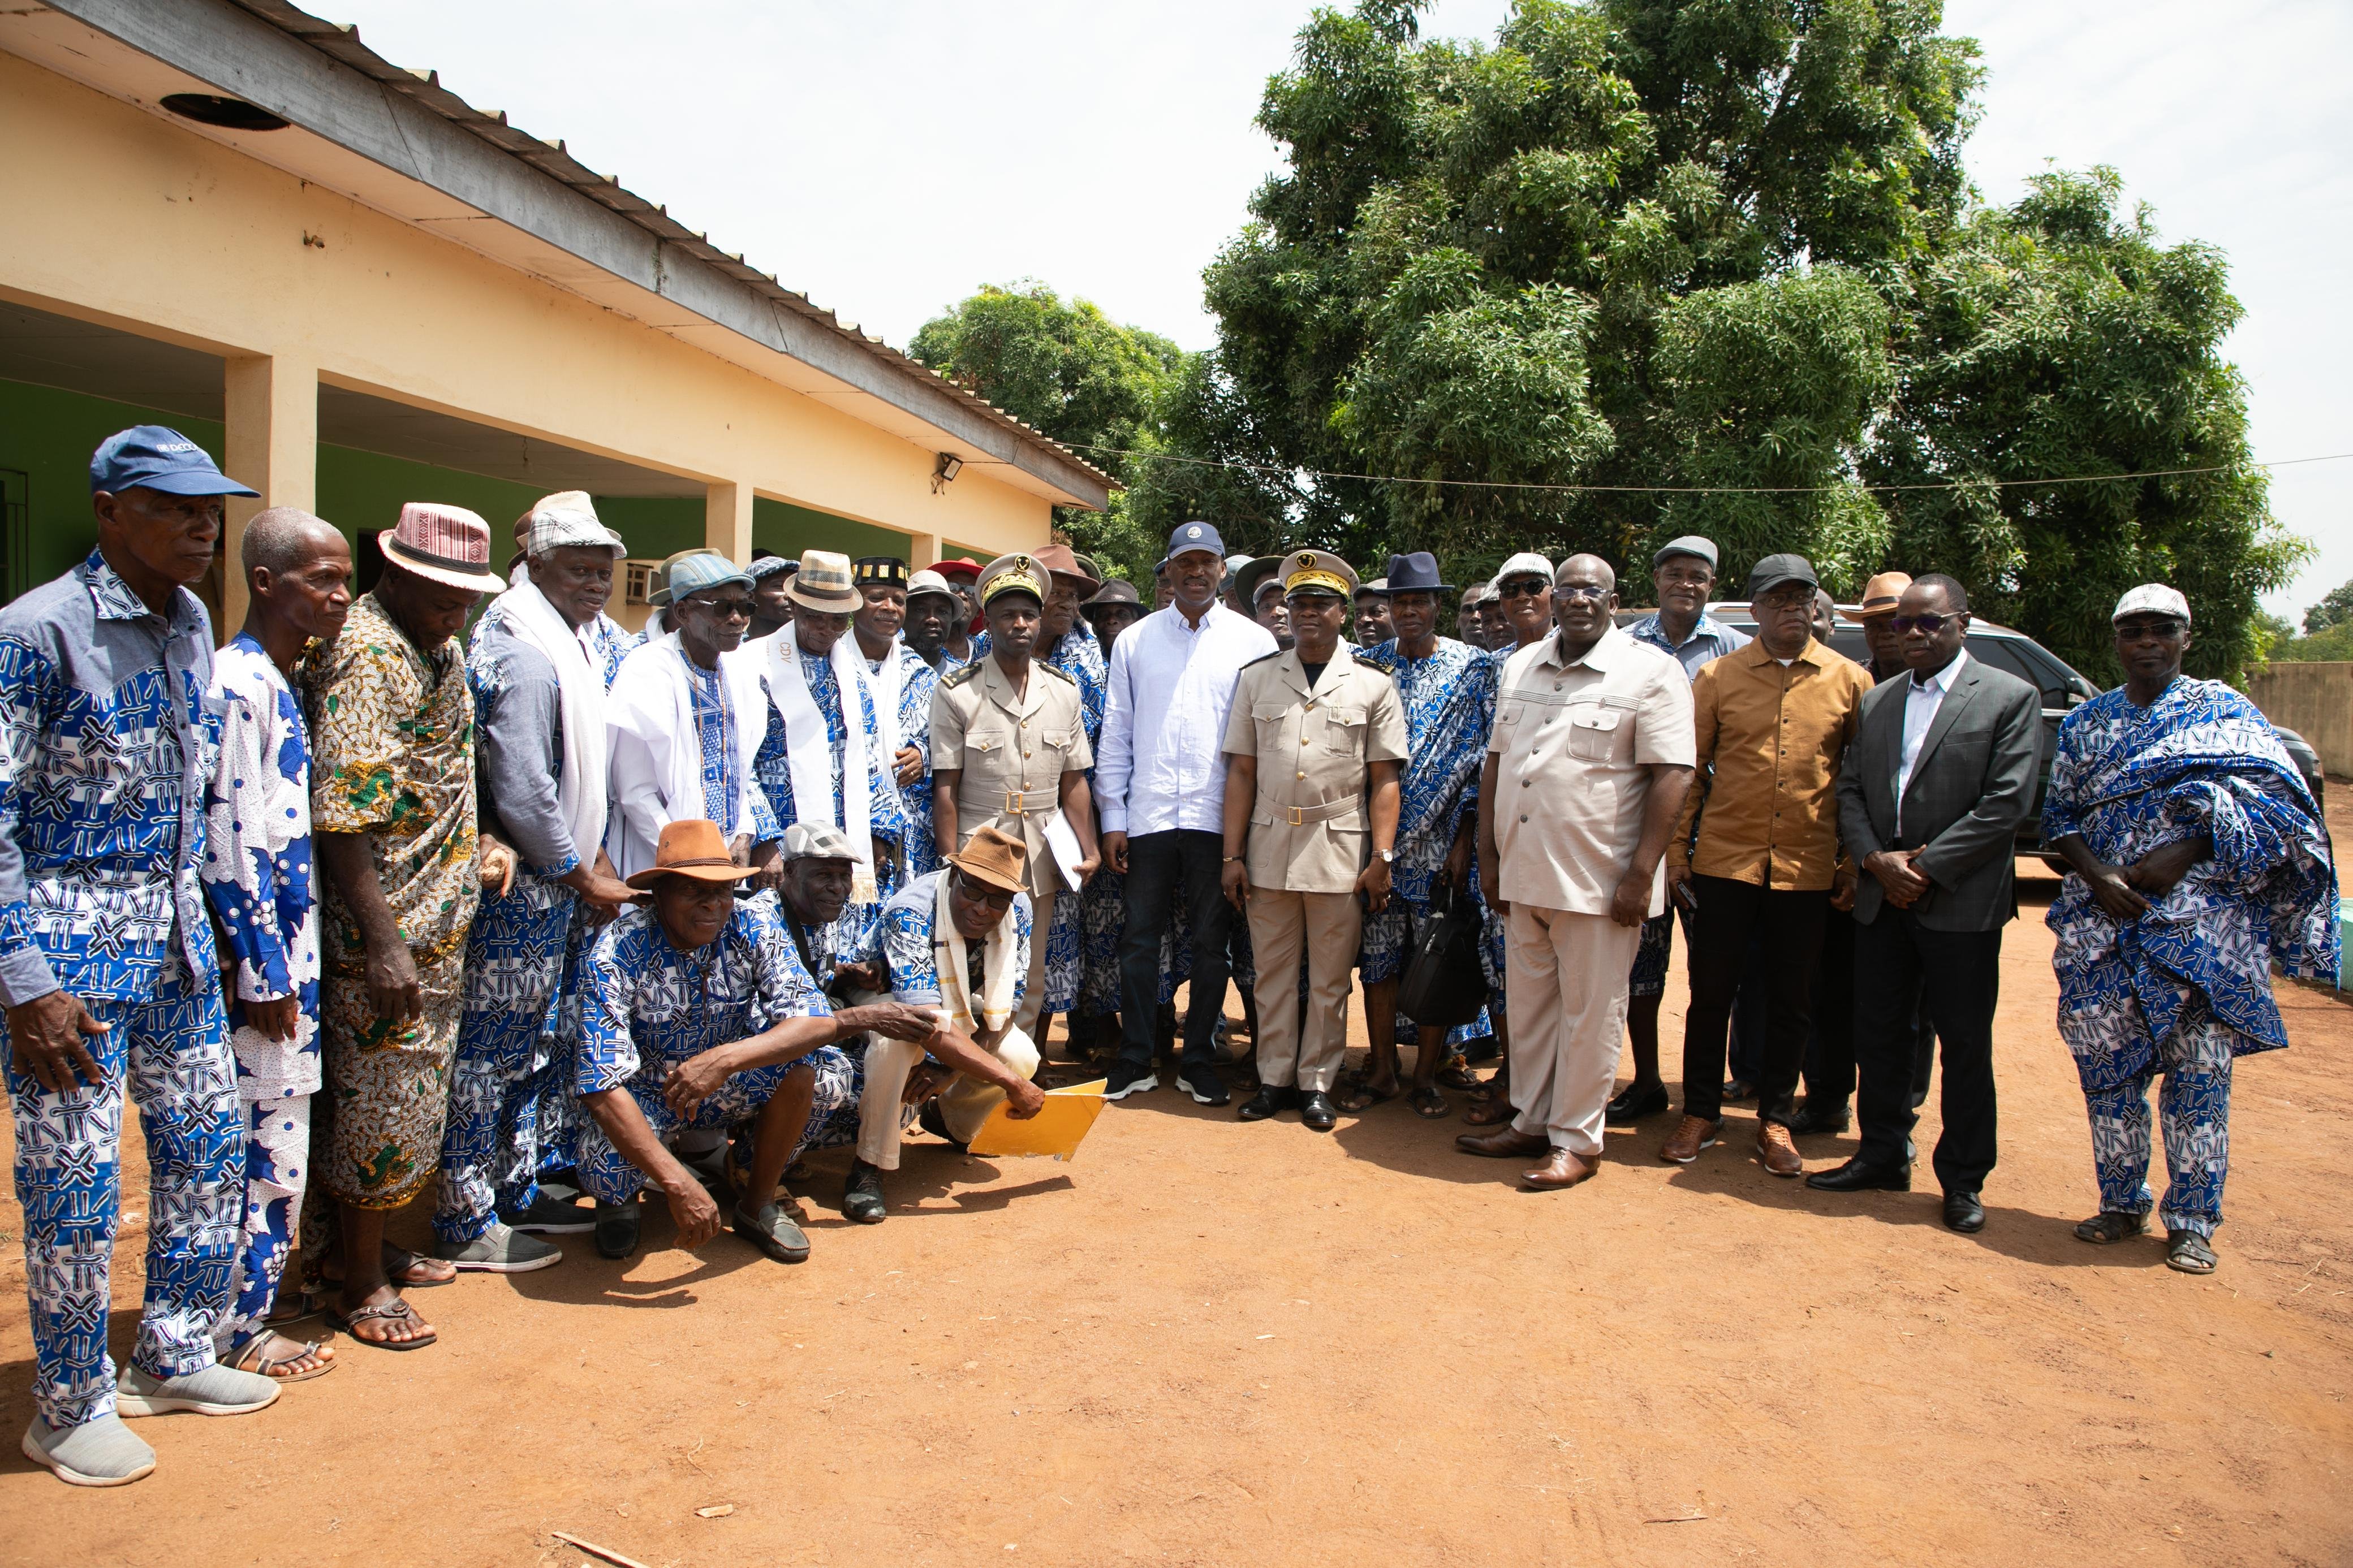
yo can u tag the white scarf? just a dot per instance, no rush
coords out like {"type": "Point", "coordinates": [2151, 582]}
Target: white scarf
{"type": "Point", "coordinates": [883, 689]}
{"type": "Point", "coordinates": [808, 754]}
{"type": "Point", "coordinates": [581, 790]}
{"type": "Point", "coordinates": [653, 700]}
{"type": "Point", "coordinates": [996, 965]}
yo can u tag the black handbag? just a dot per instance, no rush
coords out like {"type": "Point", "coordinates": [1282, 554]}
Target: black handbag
{"type": "Point", "coordinates": [1444, 983]}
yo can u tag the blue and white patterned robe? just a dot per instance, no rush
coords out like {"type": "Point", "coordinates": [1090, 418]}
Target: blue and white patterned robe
{"type": "Point", "coordinates": [886, 815]}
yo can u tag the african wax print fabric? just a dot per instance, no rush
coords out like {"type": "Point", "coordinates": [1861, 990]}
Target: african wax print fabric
{"type": "Point", "coordinates": [170, 1051]}
{"type": "Point", "coordinates": [258, 871]}
{"type": "Point", "coordinates": [2194, 1108]}
{"type": "Point", "coordinates": [277, 1171]}
{"type": "Point", "coordinates": [919, 850]}
{"type": "Point", "coordinates": [109, 734]}
{"type": "Point", "coordinates": [886, 815]}
{"type": "Point", "coordinates": [393, 760]}
{"type": "Point", "coordinates": [904, 941]}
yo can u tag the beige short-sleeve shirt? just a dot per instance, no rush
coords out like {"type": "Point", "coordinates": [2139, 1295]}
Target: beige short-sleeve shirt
{"type": "Point", "coordinates": [1009, 752]}
{"type": "Point", "coordinates": [1574, 746]}
{"type": "Point", "coordinates": [1311, 824]}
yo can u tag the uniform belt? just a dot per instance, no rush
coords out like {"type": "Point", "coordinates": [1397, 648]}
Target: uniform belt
{"type": "Point", "coordinates": [1300, 816]}
{"type": "Point", "coordinates": [1024, 803]}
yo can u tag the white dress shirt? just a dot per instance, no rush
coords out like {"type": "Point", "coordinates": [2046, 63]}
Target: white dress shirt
{"type": "Point", "coordinates": [1161, 763]}
{"type": "Point", "coordinates": [1921, 700]}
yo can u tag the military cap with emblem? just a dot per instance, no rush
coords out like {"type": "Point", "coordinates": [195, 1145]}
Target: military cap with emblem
{"type": "Point", "coordinates": [1016, 573]}
{"type": "Point", "coordinates": [1318, 572]}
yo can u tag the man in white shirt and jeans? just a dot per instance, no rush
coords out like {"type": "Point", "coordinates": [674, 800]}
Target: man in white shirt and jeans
{"type": "Point", "coordinates": [1160, 787]}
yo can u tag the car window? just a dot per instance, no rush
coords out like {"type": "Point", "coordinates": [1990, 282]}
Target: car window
{"type": "Point", "coordinates": [2004, 654]}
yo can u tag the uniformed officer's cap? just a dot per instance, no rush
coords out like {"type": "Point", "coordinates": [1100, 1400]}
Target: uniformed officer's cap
{"type": "Point", "coordinates": [1318, 572]}
{"type": "Point", "coordinates": [1013, 574]}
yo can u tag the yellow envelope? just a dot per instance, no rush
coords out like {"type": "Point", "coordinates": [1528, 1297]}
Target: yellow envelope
{"type": "Point", "coordinates": [1056, 1131]}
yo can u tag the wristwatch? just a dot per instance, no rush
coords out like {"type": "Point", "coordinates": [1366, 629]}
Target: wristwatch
{"type": "Point", "coordinates": [1231, 859]}
{"type": "Point", "coordinates": [1386, 856]}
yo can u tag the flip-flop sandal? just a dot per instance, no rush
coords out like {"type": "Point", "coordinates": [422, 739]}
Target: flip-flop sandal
{"type": "Point", "coordinates": [1361, 1096]}
{"type": "Point", "coordinates": [1428, 1103]}
{"type": "Point", "coordinates": [2186, 1251]}
{"type": "Point", "coordinates": [247, 1361]}
{"type": "Point", "coordinates": [293, 1306]}
{"type": "Point", "coordinates": [394, 1312]}
{"type": "Point", "coordinates": [1490, 1113]}
{"type": "Point", "coordinates": [1457, 1074]}
{"type": "Point", "coordinates": [404, 1272]}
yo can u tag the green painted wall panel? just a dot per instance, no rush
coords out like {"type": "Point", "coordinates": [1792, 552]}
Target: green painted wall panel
{"type": "Point", "coordinates": [788, 530]}
{"type": "Point", "coordinates": [47, 436]}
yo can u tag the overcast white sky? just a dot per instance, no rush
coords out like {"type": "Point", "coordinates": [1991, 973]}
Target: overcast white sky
{"type": "Point", "coordinates": [889, 157]}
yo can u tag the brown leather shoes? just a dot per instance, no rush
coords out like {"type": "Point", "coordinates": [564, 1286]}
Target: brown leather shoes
{"type": "Point", "coordinates": [1564, 1169]}
{"type": "Point", "coordinates": [1691, 1136]}
{"type": "Point", "coordinates": [1504, 1143]}
{"type": "Point", "coordinates": [1777, 1153]}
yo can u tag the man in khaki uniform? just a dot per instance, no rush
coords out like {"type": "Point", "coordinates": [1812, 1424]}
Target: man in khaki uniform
{"type": "Point", "coordinates": [1010, 749]}
{"type": "Point", "coordinates": [1586, 771]}
{"type": "Point", "coordinates": [1313, 746]}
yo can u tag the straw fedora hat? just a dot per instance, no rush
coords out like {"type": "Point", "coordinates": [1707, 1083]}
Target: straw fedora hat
{"type": "Point", "coordinates": [692, 846]}
{"type": "Point", "coordinates": [992, 858]}
{"type": "Point", "coordinates": [824, 584]}
{"type": "Point", "coordinates": [1880, 594]}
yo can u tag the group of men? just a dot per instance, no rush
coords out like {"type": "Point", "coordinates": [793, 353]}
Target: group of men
{"type": "Point", "coordinates": [562, 913]}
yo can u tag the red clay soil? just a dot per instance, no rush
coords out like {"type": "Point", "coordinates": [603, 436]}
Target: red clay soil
{"type": "Point", "coordinates": [1206, 1343]}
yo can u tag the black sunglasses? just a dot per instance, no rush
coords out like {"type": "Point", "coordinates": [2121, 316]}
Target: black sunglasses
{"type": "Point", "coordinates": [1523, 588]}
{"type": "Point", "coordinates": [1931, 624]}
{"type": "Point", "coordinates": [981, 893]}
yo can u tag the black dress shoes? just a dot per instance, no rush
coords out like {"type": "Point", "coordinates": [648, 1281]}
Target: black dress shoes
{"type": "Point", "coordinates": [1269, 1099]}
{"type": "Point", "coordinates": [1630, 1106]}
{"type": "Point", "coordinates": [1316, 1109]}
{"type": "Point", "coordinates": [1815, 1118]}
{"type": "Point", "coordinates": [1963, 1213]}
{"type": "Point", "coordinates": [1859, 1176]}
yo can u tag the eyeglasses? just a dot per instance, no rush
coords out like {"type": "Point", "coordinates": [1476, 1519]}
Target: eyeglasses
{"type": "Point", "coordinates": [1927, 624]}
{"type": "Point", "coordinates": [1576, 590]}
{"type": "Point", "coordinates": [1523, 588]}
{"type": "Point", "coordinates": [724, 609]}
{"type": "Point", "coordinates": [981, 893]}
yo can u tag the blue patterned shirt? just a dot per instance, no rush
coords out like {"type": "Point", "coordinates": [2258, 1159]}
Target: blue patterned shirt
{"type": "Point", "coordinates": [1449, 708]}
{"type": "Point", "coordinates": [107, 737]}
{"type": "Point", "coordinates": [902, 938]}
{"type": "Point", "coordinates": [646, 1006]}
{"type": "Point", "coordinates": [1710, 640]}
{"type": "Point", "coordinates": [771, 768]}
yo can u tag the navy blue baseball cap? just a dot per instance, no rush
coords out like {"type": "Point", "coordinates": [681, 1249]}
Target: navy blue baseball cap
{"type": "Point", "coordinates": [161, 458]}
{"type": "Point", "coordinates": [1195, 536]}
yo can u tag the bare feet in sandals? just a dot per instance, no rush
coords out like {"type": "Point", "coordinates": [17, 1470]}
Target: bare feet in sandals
{"type": "Point", "coordinates": [287, 1360]}
{"type": "Point", "coordinates": [408, 1270]}
{"type": "Point", "coordinates": [1364, 1094]}
{"type": "Point", "coordinates": [384, 1320]}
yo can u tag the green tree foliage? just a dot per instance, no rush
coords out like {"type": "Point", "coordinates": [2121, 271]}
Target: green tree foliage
{"type": "Point", "coordinates": [2335, 610]}
{"type": "Point", "coordinates": [1074, 373]}
{"type": "Point", "coordinates": [1645, 243]}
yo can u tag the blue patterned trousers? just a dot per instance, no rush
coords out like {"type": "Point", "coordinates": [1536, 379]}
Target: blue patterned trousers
{"type": "Point", "coordinates": [2194, 1109]}
{"type": "Point", "coordinates": [607, 1175]}
{"type": "Point", "coordinates": [1102, 911]}
{"type": "Point", "coordinates": [515, 966]}
{"type": "Point", "coordinates": [277, 1169]}
{"type": "Point", "coordinates": [172, 1052]}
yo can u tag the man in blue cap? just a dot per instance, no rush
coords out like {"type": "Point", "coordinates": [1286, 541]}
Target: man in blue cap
{"type": "Point", "coordinates": [107, 963]}
{"type": "Point", "coordinates": [1160, 789]}
{"type": "Point", "coordinates": [1448, 691]}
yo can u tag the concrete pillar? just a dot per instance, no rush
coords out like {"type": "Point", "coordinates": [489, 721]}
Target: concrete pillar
{"type": "Point", "coordinates": [272, 404]}
{"type": "Point", "coordinates": [924, 550]}
{"type": "Point", "coordinates": [727, 520]}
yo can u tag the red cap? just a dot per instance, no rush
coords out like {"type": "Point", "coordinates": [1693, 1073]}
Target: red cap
{"type": "Point", "coordinates": [962, 566]}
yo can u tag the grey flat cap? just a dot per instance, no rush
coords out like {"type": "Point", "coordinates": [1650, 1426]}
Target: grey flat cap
{"type": "Point", "coordinates": [1689, 544]}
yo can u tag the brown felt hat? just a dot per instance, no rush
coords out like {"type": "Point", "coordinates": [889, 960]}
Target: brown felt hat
{"type": "Point", "coordinates": [1880, 594]}
{"type": "Point", "coordinates": [1060, 559]}
{"type": "Point", "coordinates": [692, 846]}
{"type": "Point", "coordinates": [992, 858]}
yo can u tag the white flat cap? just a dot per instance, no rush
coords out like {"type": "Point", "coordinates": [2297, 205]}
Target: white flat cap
{"type": "Point", "coordinates": [1526, 563]}
{"type": "Point", "coordinates": [2153, 599]}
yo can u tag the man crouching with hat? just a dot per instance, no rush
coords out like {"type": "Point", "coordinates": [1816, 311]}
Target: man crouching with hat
{"type": "Point", "coordinates": [1313, 746]}
{"type": "Point", "coordinates": [671, 1039]}
{"type": "Point", "coordinates": [955, 947]}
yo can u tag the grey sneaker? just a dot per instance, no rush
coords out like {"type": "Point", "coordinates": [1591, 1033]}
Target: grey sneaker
{"type": "Point", "coordinates": [501, 1249]}
{"type": "Point", "coordinates": [100, 1453]}
{"type": "Point", "coordinates": [215, 1390]}
{"type": "Point", "coordinates": [551, 1215]}
{"type": "Point", "coordinates": [772, 1230]}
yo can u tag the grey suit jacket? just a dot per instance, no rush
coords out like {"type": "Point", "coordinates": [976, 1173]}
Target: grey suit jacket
{"type": "Point", "coordinates": [1972, 787]}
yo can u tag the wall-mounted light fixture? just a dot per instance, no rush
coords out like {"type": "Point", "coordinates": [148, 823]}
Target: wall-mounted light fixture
{"type": "Point", "coordinates": [228, 114]}
{"type": "Point", "coordinates": [946, 468]}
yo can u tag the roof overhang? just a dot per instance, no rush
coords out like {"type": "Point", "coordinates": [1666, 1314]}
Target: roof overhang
{"type": "Point", "coordinates": [395, 141]}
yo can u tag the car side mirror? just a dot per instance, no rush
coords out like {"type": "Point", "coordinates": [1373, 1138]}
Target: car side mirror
{"type": "Point", "coordinates": [2076, 699]}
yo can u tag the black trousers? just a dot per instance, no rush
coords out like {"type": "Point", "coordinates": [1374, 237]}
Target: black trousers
{"type": "Point", "coordinates": [1789, 923]}
{"type": "Point", "coordinates": [1958, 975]}
{"type": "Point", "coordinates": [1829, 1053]}
{"type": "Point", "coordinates": [1180, 863]}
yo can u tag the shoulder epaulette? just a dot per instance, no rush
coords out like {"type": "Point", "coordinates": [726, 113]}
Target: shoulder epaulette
{"type": "Point", "coordinates": [1056, 670]}
{"type": "Point", "coordinates": [961, 674]}
{"type": "Point", "coordinates": [1263, 657]}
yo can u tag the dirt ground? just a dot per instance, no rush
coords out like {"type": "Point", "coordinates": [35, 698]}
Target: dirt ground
{"type": "Point", "coordinates": [1205, 1342]}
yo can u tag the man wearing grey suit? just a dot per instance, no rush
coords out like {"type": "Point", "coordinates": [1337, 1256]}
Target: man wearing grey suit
{"type": "Point", "coordinates": [1940, 774]}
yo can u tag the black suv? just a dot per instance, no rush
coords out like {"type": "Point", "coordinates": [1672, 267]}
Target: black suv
{"type": "Point", "coordinates": [2020, 655]}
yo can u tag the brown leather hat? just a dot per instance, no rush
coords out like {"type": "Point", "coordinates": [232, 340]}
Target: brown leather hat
{"type": "Point", "coordinates": [1880, 594]}
{"type": "Point", "coordinates": [992, 858]}
{"type": "Point", "coordinates": [1060, 559]}
{"type": "Point", "coordinates": [693, 847]}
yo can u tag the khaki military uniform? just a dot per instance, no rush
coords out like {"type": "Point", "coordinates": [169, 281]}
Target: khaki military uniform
{"type": "Point", "coordinates": [1009, 753]}
{"type": "Point", "coordinates": [1309, 836]}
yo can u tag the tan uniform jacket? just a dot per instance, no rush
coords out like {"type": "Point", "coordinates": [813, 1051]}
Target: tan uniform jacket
{"type": "Point", "coordinates": [1311, 825]}
{"type": "Point", "coordinates": [1010, 753]}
